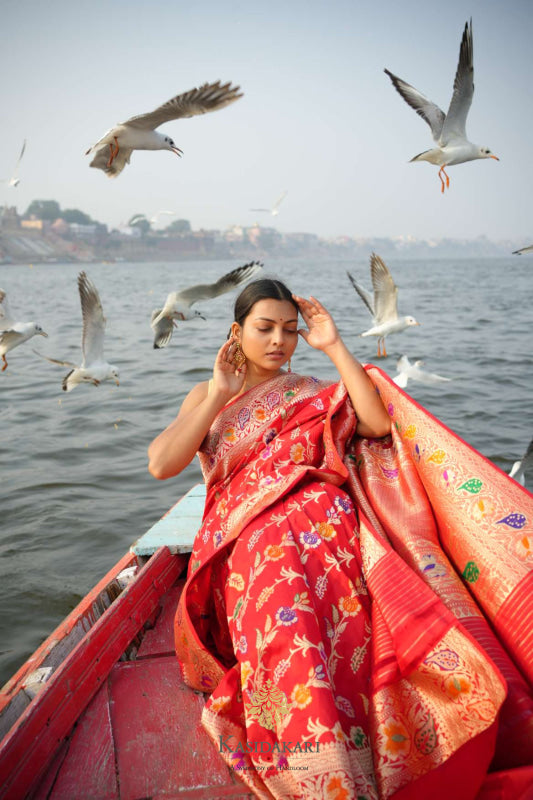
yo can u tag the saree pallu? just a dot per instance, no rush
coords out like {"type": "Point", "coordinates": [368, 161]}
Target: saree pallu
{"type": "Point", "coordinates": [359, 610]}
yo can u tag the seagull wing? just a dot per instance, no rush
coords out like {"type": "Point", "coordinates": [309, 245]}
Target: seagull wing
{"type": "Point", "coordinates": [92, 341]}
{"type": "Point", "coordinates": [101, 159]}
{"type": "Point", "coordinates": [136, 218]}
{"type": "Point", "coordinates": [162, 328]}
{"type": "Point", "coordinates": [519, 468]}
{"type": "Point", "coordinates": [279, 201]}
{"type": "Point", "coordinates": [55, 360]}
{"type": "Point", "coordinates": [21, 154]}
{"type": "Point", "coordinates": [6, 320]}
{"type": "Point", "coordinates": [229, 281]}
{"type": "Point", "coordinates": [527, 249]}
{"type": "Point", "coordinates": [158, 214]}
{"type": "Point", "coordinates": [528, 456]}
{"type": "Point", "coordinates": [209, 97]}
{"type": "Point", "coordinates": [404, 367]}
{"type": "Point", "coordinates": [11, 336]}
{"type": "Point", "coordinates": [430, 378]}
{"type": "Point", "coordinates": [431, 113]}
{"type": "Point", "coordinates": [14, 175]}
{"type": "Point", "coordinates": [463, 91]}
{"type": "Point", "coordinates": [385, 291]}
{"type": "Point", "coordinates": [401, 379]}
{"type": "Point", "coordinates": [365, 296]}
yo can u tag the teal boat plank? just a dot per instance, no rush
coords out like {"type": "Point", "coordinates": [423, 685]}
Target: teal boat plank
{"type": "Point", "coordinates": [178, 528]}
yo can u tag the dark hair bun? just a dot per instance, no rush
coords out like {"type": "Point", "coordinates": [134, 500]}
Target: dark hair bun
{"type": "Point", "coordinates": [262, 289]}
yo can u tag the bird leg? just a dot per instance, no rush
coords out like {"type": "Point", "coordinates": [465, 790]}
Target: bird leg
{"type": "Point", "coordinates": [379, 348]}
{"type": "Point", "coordinates": [384, 349]}
{"type": "Point", "coordinates": [5, 363]}
{"type": "Point", "coordinates": [113, 154]}
{"type": "Point", "coordinates": [441, 180]}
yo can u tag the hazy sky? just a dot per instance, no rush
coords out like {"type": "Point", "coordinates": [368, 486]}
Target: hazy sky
{"type": "Point", "coordinates": [319, 117]}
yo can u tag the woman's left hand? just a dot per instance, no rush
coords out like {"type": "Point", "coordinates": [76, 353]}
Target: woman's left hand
{"type": "Point", "coordinates": [322, 331]}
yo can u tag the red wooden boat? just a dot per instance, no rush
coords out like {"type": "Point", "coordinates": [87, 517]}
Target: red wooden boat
{"type": "Point", "coordinates": [100, 710]}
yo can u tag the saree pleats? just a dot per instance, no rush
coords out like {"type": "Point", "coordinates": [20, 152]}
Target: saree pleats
{"type": "Point", "coordinates": [352, 605]}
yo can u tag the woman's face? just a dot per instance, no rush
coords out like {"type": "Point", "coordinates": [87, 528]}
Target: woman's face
{"type": "Point", "coordinates": [269, 334]}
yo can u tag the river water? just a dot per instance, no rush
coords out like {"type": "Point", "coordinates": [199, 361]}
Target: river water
{"type": "Point", "coordinates": [75, 491]}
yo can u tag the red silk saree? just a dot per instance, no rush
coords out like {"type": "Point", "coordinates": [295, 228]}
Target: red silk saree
{"type": "Point", "coordinates": [359, 610]}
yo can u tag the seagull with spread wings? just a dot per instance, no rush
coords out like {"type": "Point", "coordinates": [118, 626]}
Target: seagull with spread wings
{"type": "Point", "coordinates": [274, 211]}
{"type": "Point", "coordinates": [383, 305]}
{"type": "Point", "coordinates": [94, 368]}
{"type": "Point", "coordinates": [178, 304]}
{"type": "Point", "coordinates": [12, 333]}
{"type": "Point", "coordinates": [113, 151]}
{"type": "Point", "coordinates": [14, 180]}
{"type": "Point", "coordinates": [448, 130]}
{"type": "Point", "coordinates": [413, 371]}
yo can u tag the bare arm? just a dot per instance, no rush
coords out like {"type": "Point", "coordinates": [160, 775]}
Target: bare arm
{"type": "Point", "coordinates": [322, 334]}
{"type": "Point", "coordinates": [176, 446]}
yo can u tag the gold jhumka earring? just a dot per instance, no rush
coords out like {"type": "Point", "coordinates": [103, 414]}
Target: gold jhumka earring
{"type": "Point", "coordinates": [289, 365]}
{"type": "Point", "coordinates": [238, 357]}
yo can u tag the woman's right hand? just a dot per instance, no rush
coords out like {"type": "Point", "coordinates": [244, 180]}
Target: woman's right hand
{"type": "Point", "coordinates": [175, 447]}
{"type": "Point", "coordinates": [227, 378]}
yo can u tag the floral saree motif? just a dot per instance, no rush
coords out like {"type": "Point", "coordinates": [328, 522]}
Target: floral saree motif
{"type": "Point", "coordinates": [358, 610]}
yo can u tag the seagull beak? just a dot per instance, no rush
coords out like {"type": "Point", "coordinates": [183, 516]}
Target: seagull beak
{"type": "Point", "coordinates": [117, 381]}
{"type": "Point", "coordinates": [495, 158]}
{"type": "Point", "coordinates": [42, 333]}
{"type": "Point", "coordinates": [177, 151]}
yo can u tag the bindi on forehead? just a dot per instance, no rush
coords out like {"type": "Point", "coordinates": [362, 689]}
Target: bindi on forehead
{"type": "Point", "coordinates": [281, 319]}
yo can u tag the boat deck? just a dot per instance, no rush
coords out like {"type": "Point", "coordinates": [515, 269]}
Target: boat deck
{"type": "Point", "coordinates": [140, 736]}
{"type": "Point", "coordinates": [100, 711]}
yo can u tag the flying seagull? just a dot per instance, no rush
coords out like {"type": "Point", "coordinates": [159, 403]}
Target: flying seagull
{"type": "Point", "coordinates": [14, 180]}
{"type": "Point", "coordinates": [527, 249]}
{"type": "Point", "coordinates": [178, 304]}
{"type": "Point", "coordinates": [448, 130]}
{"type": "Point", "coordinates": [93, 369]}
{"type": "Point", "coordinates": [407, 370]}
{"type": "Point", "coordinates": [152, 220]}
{"type": "Point", "coordinates": [113, 151]}
{"type": "Point", "coordinates": [155, 219]}
{"type": "Point", "coordinates": [14, 333]}
{"type": "Point", "coordinates": [383, 305]}
{"type": "Point", "coordinates": [518, 470]}
{"type": "Point", "coordinates": [275, 208]}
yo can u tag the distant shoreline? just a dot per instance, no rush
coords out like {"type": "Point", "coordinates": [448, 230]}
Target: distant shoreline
{"type": "Point", "coordinates": [34, 240]}
{"type": "Point", "coordinates": [23, 248]}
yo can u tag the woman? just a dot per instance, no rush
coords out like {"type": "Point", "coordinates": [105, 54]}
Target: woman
{"type": "Point", "coordinates": [343, 655]}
